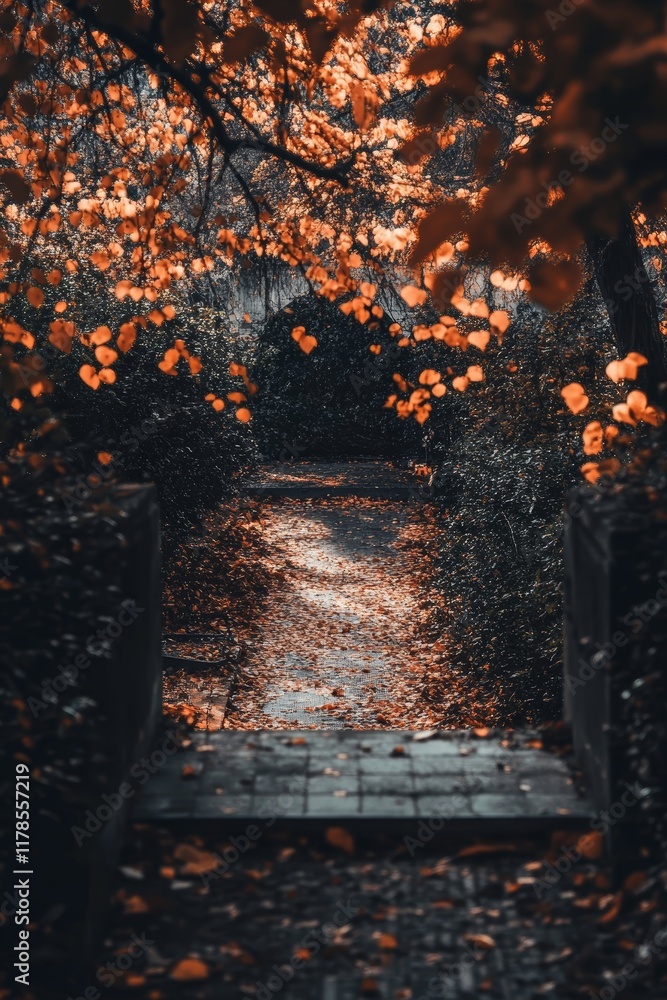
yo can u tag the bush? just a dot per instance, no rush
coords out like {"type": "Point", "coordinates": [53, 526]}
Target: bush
{"type": "Point", "coordinates": [505, 453]}
{"type": "Point", "coordinates": [327, 403]}
{"type": "Point", "coordinates": [159, 428]}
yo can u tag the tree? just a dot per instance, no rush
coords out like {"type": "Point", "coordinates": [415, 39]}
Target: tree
{"type": "Point", "coordinates": [594, 153]}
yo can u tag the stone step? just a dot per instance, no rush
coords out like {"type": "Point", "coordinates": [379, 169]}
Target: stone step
{"type": "Point", "coordinates": [372, 479]}
{"type": "Point", "coordinates": [370, 782]}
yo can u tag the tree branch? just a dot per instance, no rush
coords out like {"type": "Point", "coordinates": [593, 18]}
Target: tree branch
{"type": "Point", "coordinates": [148, 52]}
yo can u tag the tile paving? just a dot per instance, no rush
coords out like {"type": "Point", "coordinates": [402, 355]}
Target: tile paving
{"type": "Point", "coordinates": [385, 779]}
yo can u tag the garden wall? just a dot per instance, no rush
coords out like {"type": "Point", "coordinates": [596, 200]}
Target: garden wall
{"type": "Point", "coordinates": [615, 676]}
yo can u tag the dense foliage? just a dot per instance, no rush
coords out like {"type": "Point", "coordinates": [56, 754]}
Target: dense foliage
{"type": "Point", "coordinates": [60, 584]}
{"type": "Point", "coordinates": [502, 476]}
{"type": "Point", "coordinates": [329, 401]}
{"type": "Point", "coordinates": [152, 426]}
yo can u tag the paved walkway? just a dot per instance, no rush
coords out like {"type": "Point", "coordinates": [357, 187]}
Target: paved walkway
{"type": "Point", "coordinates": [339, 641]}
{"type": "Point", "coordinates": [309, 862]}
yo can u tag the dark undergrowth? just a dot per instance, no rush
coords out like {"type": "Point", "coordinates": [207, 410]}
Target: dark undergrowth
{"type": "Point", "coordinates": [504, 461]}
{"type": "Point", "coordinates": [329, 402]}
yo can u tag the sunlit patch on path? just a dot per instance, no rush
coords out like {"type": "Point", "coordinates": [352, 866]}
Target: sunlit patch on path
{"type": "Point", "coordinates": [341, 640]}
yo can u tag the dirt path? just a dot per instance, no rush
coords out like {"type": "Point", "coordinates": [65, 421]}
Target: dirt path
{"type": "Point", "coordinates": [341, 640]}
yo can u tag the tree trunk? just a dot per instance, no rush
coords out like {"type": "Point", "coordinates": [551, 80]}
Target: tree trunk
{"type": "Point", "coordinates": [630, 303]}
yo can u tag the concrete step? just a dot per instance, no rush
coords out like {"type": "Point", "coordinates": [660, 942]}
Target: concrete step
{"type": "Point", "coordinates": [367, 479]}
{"type": "Point", "coordinates": [371, 783]}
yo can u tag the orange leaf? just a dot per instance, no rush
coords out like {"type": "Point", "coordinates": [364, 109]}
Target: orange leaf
{"type": "Point", "coordinates": [189, 970]}
{"type": "Point", "coordinates": [575, 397]}
{"type": "Point", "coordinates": [609, 467]}
{"type": "Point", "coordinates": [479, 338]}
{"type": "Point", "coordinates": [499, 320]}
{"type": "Point", "coordinates": [307, 343]}
{"type": "Point", "coordinates": [135, 904]}
{"type": "Point", "coordinates": [61, 335]}
{"type": "Point", "coordinates": [593, 438]}
{"type": "Point", "coordinates": [637, 403]}
{"type": "Point", "coordinates": [89, 376]}
{"type": "Point", "coordinates": [156, 316]}
{"type": "Point", "coordinates": [126, 337]}
{"type": "Point", "coordinates": [388, 942]}
{"type": "Point", "coordinates": [627, 368]}
{"type": "Point", "coordinates": [35, 297]}
{"type": "Point", "coordinates": [100, 260]}
{"type": "Point", "coordinates": [480, 940]}
{"type": "Point", "coordinates": [613, 911]}
{"type": "Point", "coordinates": [337, 836]}
{"type": "Point", "coordinates": [635, 881]}
{"type": "Point", "coordinates": [106, 356]}
{"type": "Point", "coordinates": [100, 336]}
{"type": "Point", "coordinates": [591, 845]}
{"type": "Point", "coordinates": [413, 296]}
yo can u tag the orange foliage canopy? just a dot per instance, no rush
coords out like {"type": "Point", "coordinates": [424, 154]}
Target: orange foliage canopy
{"type": "Point", "coordinates": [124, 123]}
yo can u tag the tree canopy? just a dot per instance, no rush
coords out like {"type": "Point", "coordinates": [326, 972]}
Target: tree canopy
{"type": "Point", "coordinates": [445, 158]}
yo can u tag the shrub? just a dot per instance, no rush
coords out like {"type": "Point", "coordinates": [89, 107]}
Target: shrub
{"type": "Point", "coordinates": [329, 402]}
{"type": "Point", "coordinates": [506, 452]}
{"type": "Point", "coordinates": [158, 427]}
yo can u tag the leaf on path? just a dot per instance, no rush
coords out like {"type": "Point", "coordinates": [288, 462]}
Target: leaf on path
{"type": "Point", "coordinates": [489, 848]}
{"type": "Point", "coordinates": [190, 970]}
{"type": "Point", "coordinates": [337, 836]}
{"type": "Point", "coordinates": [387, 942]}
{"type": "Point", "coordinates": [480, 940]}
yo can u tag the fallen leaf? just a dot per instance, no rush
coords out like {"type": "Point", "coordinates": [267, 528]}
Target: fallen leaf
{"type": "Point", "coordinates": [337, 836]}
{"type": "Point", "coordinates": [189, 970]}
